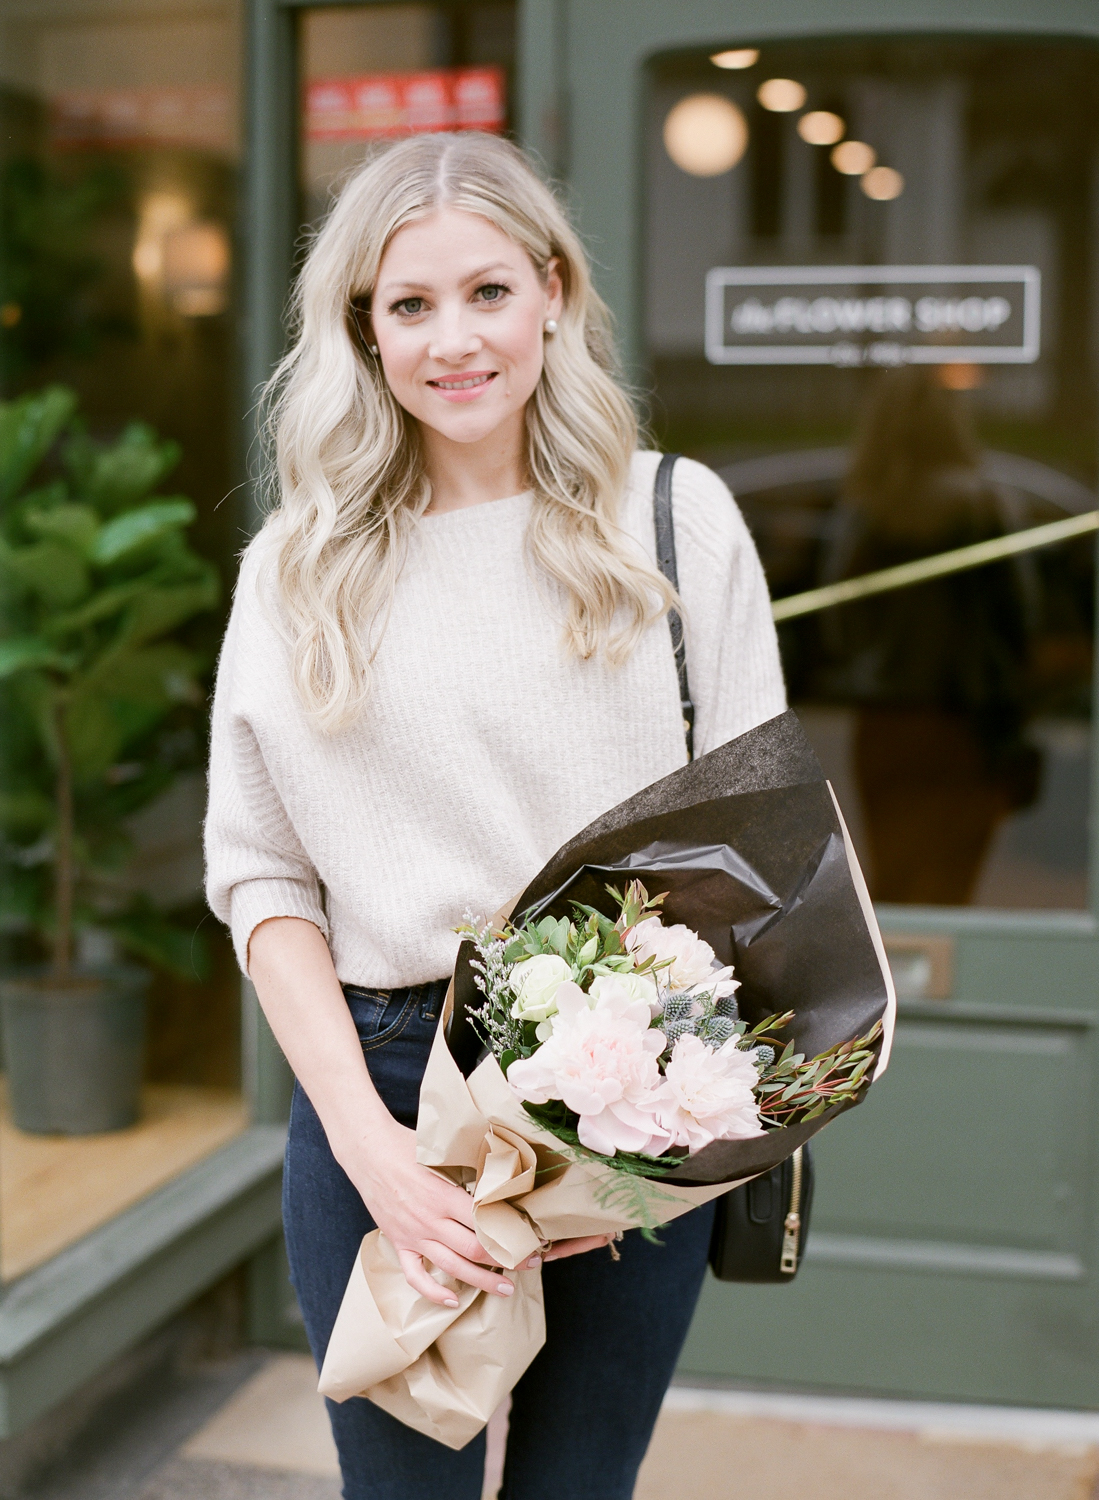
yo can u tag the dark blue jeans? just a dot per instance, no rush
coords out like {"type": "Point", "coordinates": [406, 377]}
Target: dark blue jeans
{"type": "Point", "coordinates": [583, 1413]}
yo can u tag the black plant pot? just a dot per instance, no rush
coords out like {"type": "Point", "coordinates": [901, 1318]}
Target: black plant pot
{"type": "Point", "coordinates": [73, 1051]}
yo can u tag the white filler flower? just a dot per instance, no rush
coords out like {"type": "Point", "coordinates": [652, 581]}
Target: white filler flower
{"type": "Point", "coordinates": [707, 1094]}
{"type": "Point", "coordinates": [602, 1062]}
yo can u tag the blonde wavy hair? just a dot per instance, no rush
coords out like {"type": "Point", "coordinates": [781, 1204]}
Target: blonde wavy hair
{"type": "Point", "coordinates": [346, 472]}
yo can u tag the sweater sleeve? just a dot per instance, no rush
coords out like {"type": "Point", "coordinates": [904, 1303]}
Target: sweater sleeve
{"type": "Point", "coordinates": [256, 867]}
{"type": "Point", "coordinates": [733, 660]}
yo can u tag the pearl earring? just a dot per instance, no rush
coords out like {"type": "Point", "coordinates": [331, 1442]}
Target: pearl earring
{"type": "Point", "coordinates": [373, 348]}
{"type": "Point", "coordinates": [551, 326]}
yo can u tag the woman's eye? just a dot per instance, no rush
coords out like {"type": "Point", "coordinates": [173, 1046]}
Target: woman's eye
{"type": "Point", "coordinates": [493, 292]}
{"type": "Point", "coordinates": [409, 306]}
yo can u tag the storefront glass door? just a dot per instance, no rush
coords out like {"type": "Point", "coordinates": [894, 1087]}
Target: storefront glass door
{"type": "Point", "coordinates": [862, 276]}
{"type": "Point", "coordinates": [869, 297]}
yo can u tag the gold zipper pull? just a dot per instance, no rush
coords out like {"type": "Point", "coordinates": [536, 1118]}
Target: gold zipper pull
{"type": "Point", "coordinates": [792, 1232]}
{"type": "Point", "coordinates": [788, 1262]}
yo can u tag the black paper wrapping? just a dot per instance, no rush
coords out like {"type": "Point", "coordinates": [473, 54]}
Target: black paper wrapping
{"type": "Point", "coordinates": [748, 843]}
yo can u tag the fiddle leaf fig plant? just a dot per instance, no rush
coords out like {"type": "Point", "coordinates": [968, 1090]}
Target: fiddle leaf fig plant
{"type": "Point", "coordinates": [101, 702]}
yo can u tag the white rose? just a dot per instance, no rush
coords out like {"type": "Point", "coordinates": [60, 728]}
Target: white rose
{"type": "Point", "coordinates": [693, 965]}
{"type": "Point", "coordinates": [535, 983]}
{"type": "Point", "coordinates": [633, 986]}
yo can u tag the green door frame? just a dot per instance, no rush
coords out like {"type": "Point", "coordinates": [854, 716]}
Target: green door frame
{"type": "Point", "coordinates": [581, 83]}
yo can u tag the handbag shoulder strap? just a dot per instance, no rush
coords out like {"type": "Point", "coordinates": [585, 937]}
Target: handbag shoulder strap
{"type": "Point", "coordinates": [665, 561]}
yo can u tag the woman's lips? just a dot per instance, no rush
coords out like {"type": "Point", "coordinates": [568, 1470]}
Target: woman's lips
{"type": "Point", "coordinates": [465, 387]}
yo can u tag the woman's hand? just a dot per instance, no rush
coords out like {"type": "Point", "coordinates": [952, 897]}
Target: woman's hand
{"type": "Point", "coordinates": [425, 1217]}
{"type": "Point", "coordinates": [561, 1249]}
{"type": "Point", "coordinates": [421, 1214]}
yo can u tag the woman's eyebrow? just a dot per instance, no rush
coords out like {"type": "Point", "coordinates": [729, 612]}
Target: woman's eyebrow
{"type": "Point", "coordinates": [496, 265]}
{"type": "Point", "coordinates": [388, 288]}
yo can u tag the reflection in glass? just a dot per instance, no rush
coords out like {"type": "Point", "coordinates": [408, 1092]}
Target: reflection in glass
{"type": "Point", "coordinates": [377, 71]}
{"type": "Point", "coordinates": [938, 670]}
{"type": "Point", "coordinates": [954, 718]}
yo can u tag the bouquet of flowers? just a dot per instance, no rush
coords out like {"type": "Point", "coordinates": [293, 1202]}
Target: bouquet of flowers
{"type": "Point", "coordinates": [624, 1040]}
{"type": "Point", "coordinates": [609, 1060]}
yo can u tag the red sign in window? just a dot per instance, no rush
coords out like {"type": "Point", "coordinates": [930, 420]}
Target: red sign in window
{"type": "Point", "coordinates": [389, 104]}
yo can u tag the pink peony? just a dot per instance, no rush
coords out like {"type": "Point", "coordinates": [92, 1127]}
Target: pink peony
{"type": "Point", "coordinates": [601, 1061]}
{"type": "Point", "coordinates": [693, 964]}
{"type": "Point", "coordinates": [707, 1094]}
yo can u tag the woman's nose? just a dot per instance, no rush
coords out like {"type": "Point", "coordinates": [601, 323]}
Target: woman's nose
{"type": "Point", "coordinates": [453, 339]}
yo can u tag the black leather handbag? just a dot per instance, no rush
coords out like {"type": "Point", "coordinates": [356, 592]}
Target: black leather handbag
{"type": "Point", "coordinates": [760, 1228]}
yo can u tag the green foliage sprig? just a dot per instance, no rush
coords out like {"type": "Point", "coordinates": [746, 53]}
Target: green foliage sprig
{"type": "Point", "coordinates": [792, 1089]}
{"type": "Point", "coordinates": [96, 691]}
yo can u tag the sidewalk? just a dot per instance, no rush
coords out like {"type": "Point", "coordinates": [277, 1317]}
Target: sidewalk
{"type": "Point", "coordinates": [270, 1441]}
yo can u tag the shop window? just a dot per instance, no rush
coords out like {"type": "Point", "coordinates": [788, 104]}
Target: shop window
{"type": "Point", "coordinates": [877, 324]}
{"type": "Point", "coordinates": [120, 163]}
{"type": "Point", "coordinates": [372, 73]}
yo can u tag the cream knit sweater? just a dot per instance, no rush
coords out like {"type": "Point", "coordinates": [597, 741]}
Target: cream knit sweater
{"type": "Point", "coordinates": [484, 746]}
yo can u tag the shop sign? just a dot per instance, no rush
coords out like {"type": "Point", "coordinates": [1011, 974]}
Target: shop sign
{"type": "Point", "coordinates": [376, 105]}
{"type": "Point", "coordinates": [873, 315]}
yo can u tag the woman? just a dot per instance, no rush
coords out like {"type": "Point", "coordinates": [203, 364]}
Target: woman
{"type": "Point", "coordinates": [447, 654]}
{"type": "Point", "coordinates": [938, 669]}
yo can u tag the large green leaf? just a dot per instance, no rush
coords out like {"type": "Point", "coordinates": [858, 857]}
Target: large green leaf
{"type": "Point", "coordinates": [136, 528]}
{"type": "Point", "coordinates": [24, 896]}
{"type": "Point", "coordinates": [42, 497]}
{"type": "Point", "coordinates": [109, 601]}
{"type": "Point", "coordinates": [94, 736]}
{"type": "Point", "coordinates": [27, 651]}
{"type": "Point", "coordinates": [183, 951]}
{"type": "Point", "coordinates": [156, 611]}
{"type": "Point", "coordinates": [75, 525]}
{"type": "Point", "coordinates": [54, 573]}
{"type": "Point", "coordinates": [28, 427]}
{"type": "Point", "coordinates": [152, 676]}
{"type": "Point", "coordinates": [33, 698]}
{"type": "Point", "coordinates": [25, 813]}
{"type": "Point", "coordinates": [115, 478]}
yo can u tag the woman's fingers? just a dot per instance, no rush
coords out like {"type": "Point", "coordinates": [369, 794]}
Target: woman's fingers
{"type": "Point", "coordinates": [466, 1270]}
{"type": "Point", "coordinates": [561, 1249]}
{"type": "Point", "coordinates": [453, 1202]}
{"type": "Point", "coordinates": [463, 1242]}
{"type": "Point", "coordinates": [416, 1274]}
